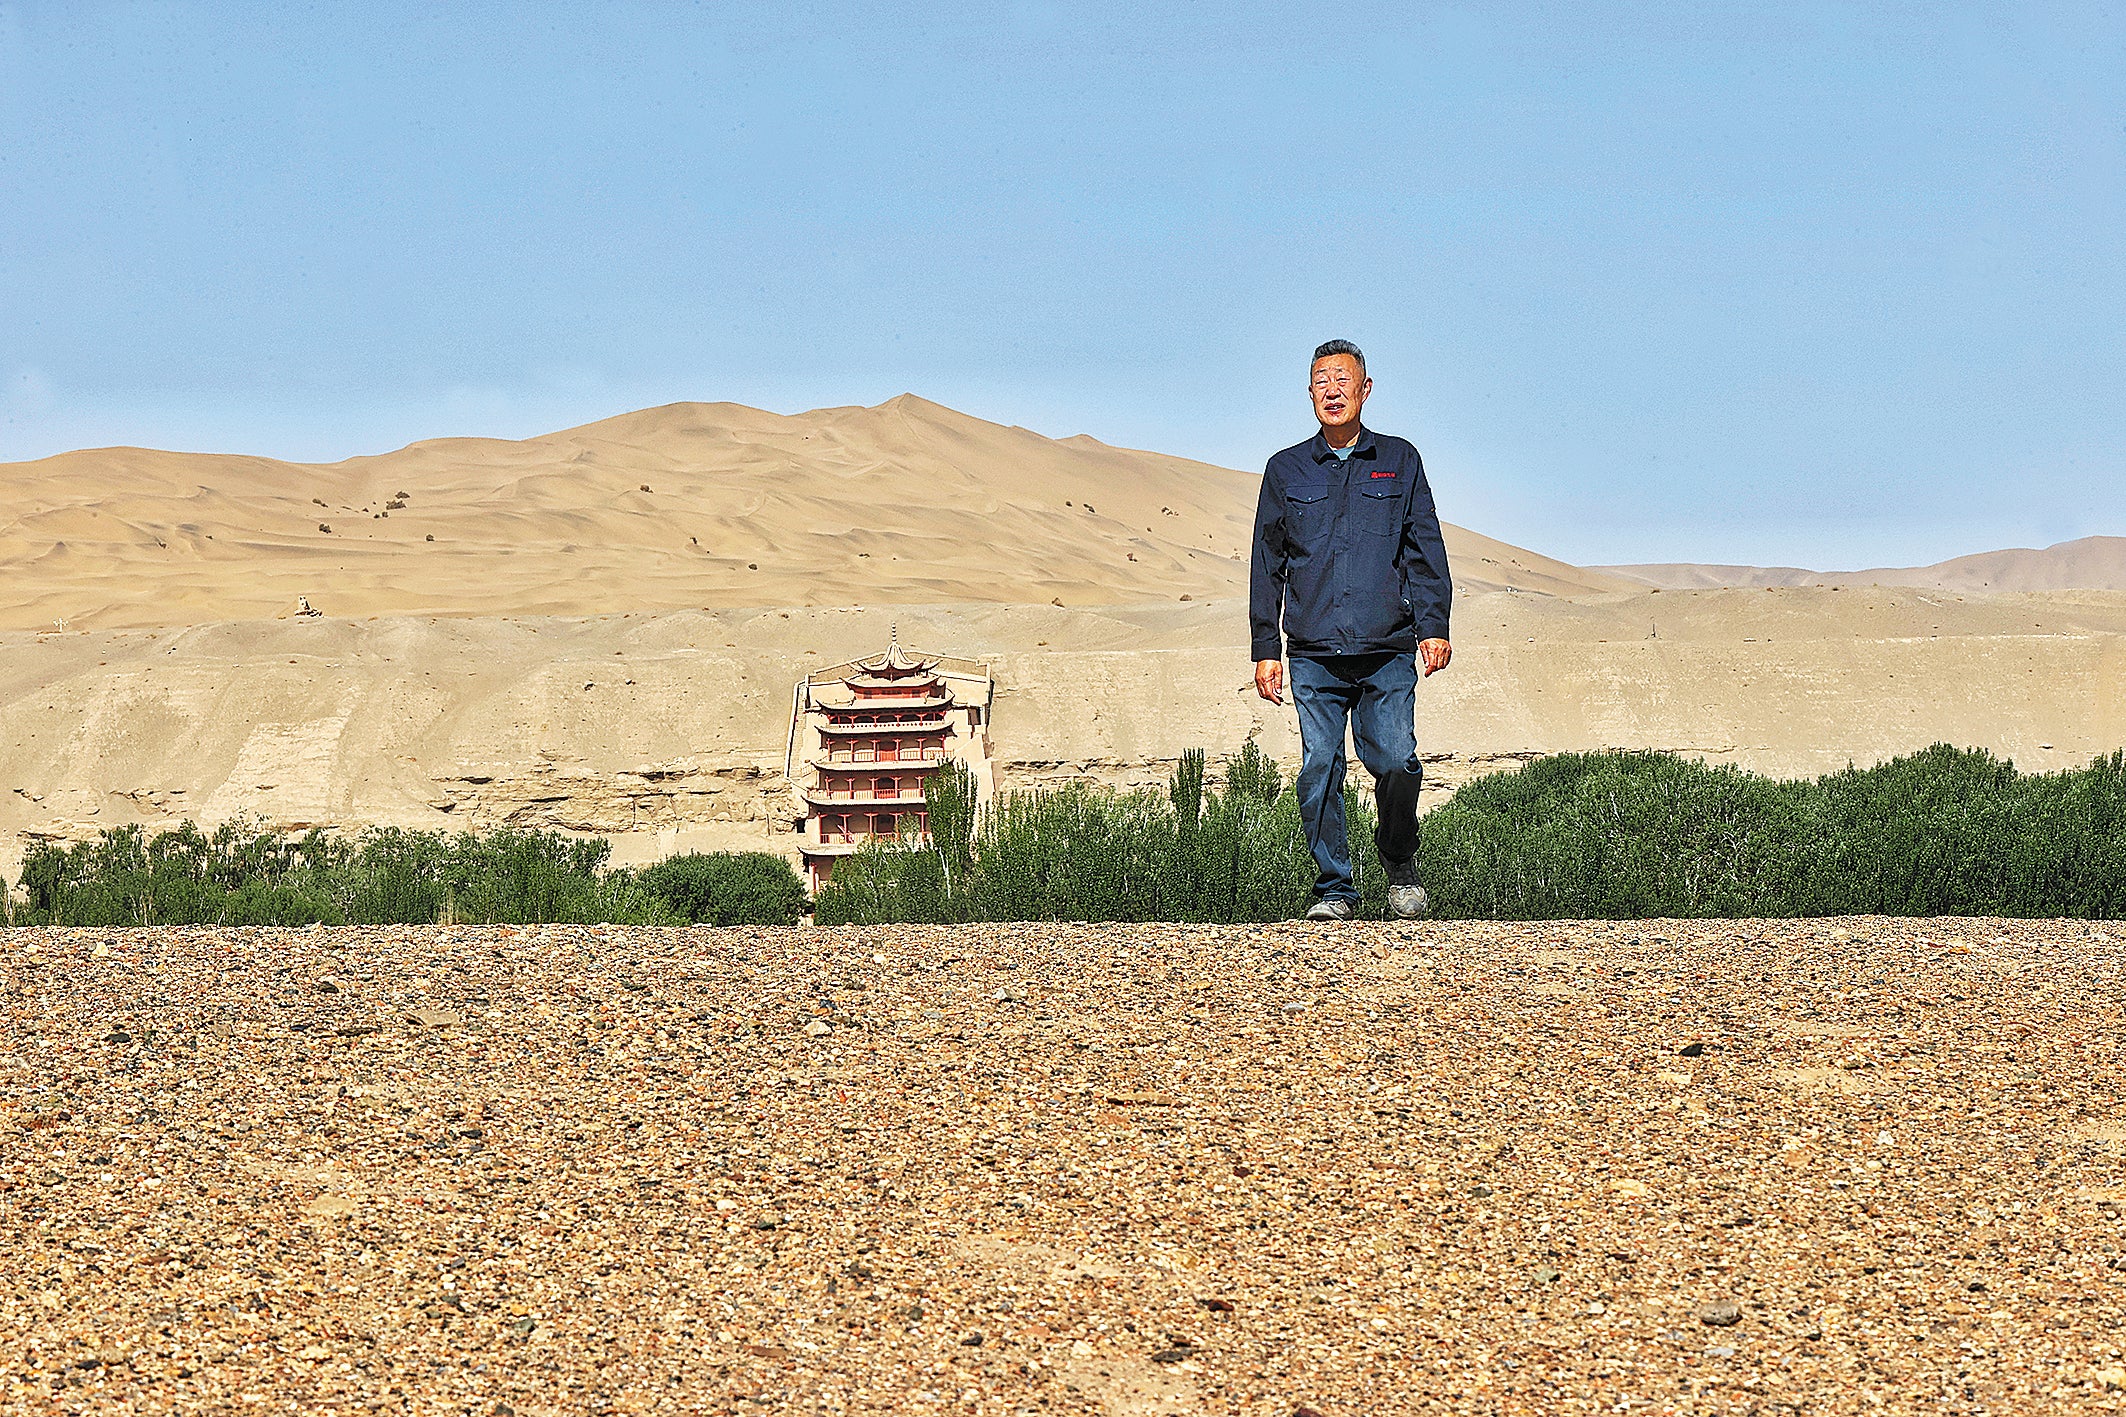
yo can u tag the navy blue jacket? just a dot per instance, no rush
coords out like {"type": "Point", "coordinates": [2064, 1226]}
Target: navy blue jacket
{"type": "Point", "coordinates": [1348, 555]}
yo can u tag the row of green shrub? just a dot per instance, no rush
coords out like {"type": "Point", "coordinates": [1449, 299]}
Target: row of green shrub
{"type": "Point", "coordinates": [1603, 835]}
{"type": "Point", "coordinates": [1085, 852]}
{"type": "Point", "coordinates": [1626, 835]}
{"type": "Point", "coordinates": [1577, 835]}
{"type": "Point", "coordinates": [243, 875]}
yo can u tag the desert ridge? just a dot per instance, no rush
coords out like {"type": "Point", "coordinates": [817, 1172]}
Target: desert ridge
{"type": "Point", "coordinates": [692, 505]}
{"type": "Point", "coordinates": [2088, 563]}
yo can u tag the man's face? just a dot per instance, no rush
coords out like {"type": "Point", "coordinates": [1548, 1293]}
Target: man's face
{"type": "Point", "coordinates": [1339, 387]}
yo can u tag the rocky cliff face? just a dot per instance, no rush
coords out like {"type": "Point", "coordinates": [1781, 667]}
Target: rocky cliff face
{"type": "Point", "coordinates": [1444, 772]}
{"type": "Point", "coordinates": [571, 797]}
{"type": "Point", "coordinates": [668, 731]}
{"type": "Point", "coordinates": [684, 795]}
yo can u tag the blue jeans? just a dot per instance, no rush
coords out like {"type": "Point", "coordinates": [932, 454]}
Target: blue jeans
{"type": "Point", "coordinates": [1377, 695]}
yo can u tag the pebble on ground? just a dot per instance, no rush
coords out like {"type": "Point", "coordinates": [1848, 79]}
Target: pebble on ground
{"type": "Point", "coordinates": [1863, 1166]}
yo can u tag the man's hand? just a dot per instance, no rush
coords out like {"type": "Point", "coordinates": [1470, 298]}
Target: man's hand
{"type": "Point", "coordinates": [1269, 680]}
{"type": "Point", "coordinates": [1435, 654]}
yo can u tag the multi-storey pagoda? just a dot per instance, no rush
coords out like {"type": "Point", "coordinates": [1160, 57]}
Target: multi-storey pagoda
{"type": "Point", "coordinates": [867, 735]}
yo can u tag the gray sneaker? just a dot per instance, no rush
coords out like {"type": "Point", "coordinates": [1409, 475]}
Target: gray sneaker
{"type": "Point", "coordinates": [1408, 902]}
{"type": "Point", "coordinates": [1333, 908]}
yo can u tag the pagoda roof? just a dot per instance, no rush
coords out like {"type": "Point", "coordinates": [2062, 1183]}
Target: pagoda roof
{"type": "Point", "coordinates": [936, 725]}
{"type": "Point", "coordinates": [829, 768]}
{"type": "Point", "coordinates": [838, 700]}
{"type": "Point", "coordinates": [861, 800]}
{"type": "Point", "coordinates": [898, 660]}
{"type": "Point", "coordinates": [887, 706]}
{"type": "Point", "coordinates": [896, 680]}
{"type": "Point", "coordinates": [931, 705]}
{"type": "Point", "coordinates": [812, 849]}
{"type": "Point", "coordinates": [896, 663]}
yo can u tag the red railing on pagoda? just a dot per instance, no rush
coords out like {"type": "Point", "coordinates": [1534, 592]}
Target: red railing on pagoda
{"type": "Point", "coordinates": [885, 753]}
{"type": "Point", "coordinates": [856, 828]}
{"type": "Point", "coordinates": [850, 792]}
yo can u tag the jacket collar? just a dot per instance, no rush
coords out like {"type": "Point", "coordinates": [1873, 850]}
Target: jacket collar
{"type": "Point", "coordinates": [1320, 450]}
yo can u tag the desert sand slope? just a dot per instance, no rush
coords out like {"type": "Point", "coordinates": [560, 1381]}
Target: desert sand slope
{"type": "Point", "coordinates": [583, 643]}
{"type": "Point", "coordinates": [668, 729]}
{"type": "Point", "coordinates": [2091, 563]}
{"type": "Point", "coordinates": [686, 506]}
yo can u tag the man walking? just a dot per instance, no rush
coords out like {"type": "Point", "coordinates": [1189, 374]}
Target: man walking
{"type": "Point", "coordinates": [1349, 565]}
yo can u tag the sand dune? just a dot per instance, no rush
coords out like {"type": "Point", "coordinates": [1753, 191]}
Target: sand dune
{"type": "Point", "coordinates": [689, 505]}
{"type": "Point", "coordinates": [2091, 563]}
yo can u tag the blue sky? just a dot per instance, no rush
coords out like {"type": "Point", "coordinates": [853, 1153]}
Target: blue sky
{"type": "Point", "coordinates": [1835, 285]}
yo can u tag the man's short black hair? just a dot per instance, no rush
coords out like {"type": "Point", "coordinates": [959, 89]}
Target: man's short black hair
{"type": "Point", "coordinates": [1339, 346]}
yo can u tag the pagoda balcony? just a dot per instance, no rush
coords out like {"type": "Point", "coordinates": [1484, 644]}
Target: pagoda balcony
{"type": "Point", "coordinates": [838, 779]}
{"type": "Point", "coordinates": [843, 843]}
{"type": "Point", "coordinates": [927, 756]}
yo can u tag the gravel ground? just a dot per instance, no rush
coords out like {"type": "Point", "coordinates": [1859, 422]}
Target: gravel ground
{"type": "Point", "coordinates": [1828, 1166]}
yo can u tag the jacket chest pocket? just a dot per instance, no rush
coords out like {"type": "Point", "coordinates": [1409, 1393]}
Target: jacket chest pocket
{"type": "Point", "coordinates": [1306, 516]}
{"type": "Point", "coordinates": [1379, 513]}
